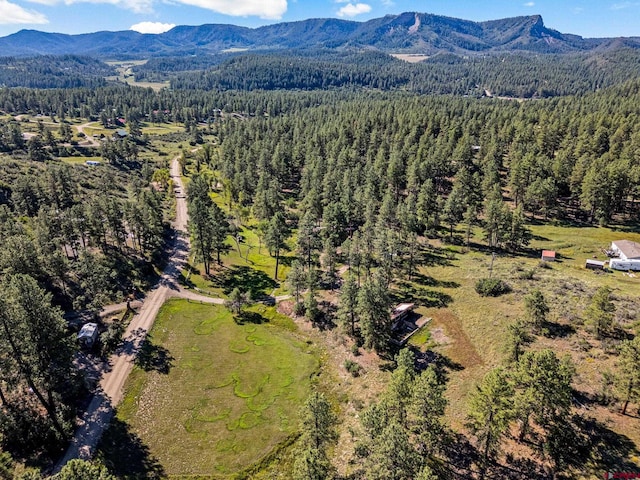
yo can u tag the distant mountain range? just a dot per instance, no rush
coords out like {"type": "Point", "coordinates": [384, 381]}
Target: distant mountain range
{"type": "Point", "coordinates": [417, 33]}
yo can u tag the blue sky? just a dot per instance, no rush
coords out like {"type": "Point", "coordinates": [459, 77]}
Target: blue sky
{"type": "Point", "coordinates": [589, 18]}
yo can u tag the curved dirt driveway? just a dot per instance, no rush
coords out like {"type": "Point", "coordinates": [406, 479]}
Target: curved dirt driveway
{"type": "Point", "coordinates": [89, 140]}
{"type": "Point", "coordinates": [109, 393]}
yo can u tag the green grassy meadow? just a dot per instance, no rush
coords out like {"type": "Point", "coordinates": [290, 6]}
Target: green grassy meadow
{"type": "Point", "coordinates": [471, 331]}
{"type": "Point", "coordinates": [211, 397]}
{"type": "Point", "coordinates": [246, 265]}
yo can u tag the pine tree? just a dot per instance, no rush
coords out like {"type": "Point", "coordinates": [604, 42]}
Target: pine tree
{"type": "Point", "coordinates": [296, 279]}
{"type": "Point", "coordinates": [517, 338]}
{"type": "Point", "coordinates": [426, 410]}
{"type": "Point", "coordinates": [202, 224]}
{"type": "Point", "coordinates": [33, 339]}
{"type": "Point", "coordinates": [318, 429]}
{"type": "Point", "coordinates": [454, 209]}
{"type": "Point", "coordinates": [490, 413]}
{"type": "Point", "coordinates": [373, 312]}
{"type": "Point", "coordinates": [348, 304]}
{"type": "Point", "coordinates": [536, 309]}
{"type": "Point", "coordinates": [277, 233]}
{"type": "Point", "coordinates": [600, 311]}
{"type": "Point", "coordinates": [237, 301]}
{"type": "Point", "coordinates": [543, 385]}
{"type": "Point", "coordinates": [628, 377]}
{"type": "Point", "coordinates": [219, 230]}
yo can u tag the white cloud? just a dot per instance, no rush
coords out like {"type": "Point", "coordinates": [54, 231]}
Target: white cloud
{"type": "Point", "coordinates": [10, 13]}
{"type": "Point", "coordinates": [138, 6]}
{"type": "Point", "coordinates": [623, 5]}
{"type": "Point", "coordinates": [529, 4]}
{"type": "Point", "coordinates": [152, 27]}
{"type": "Point", "coordinates": [267, 9]}
{"type": "Point", "coordinates": [351, 10]}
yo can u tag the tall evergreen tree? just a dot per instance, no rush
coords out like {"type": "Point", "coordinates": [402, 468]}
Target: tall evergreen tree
{"type": "Point", "coordinates": [276, 236]}
{"type": "Point", "coordinates": [490, 413]}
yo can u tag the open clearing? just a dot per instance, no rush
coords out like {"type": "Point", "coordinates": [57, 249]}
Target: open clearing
{"type": "Point", "coordinates": [471, 331]}
{"type": "Point", "coordinates": [211, 397]}
{"type": "Point", "coordinates": [125, 74]}
{"type": "Point", "coordinates": [410, 57]}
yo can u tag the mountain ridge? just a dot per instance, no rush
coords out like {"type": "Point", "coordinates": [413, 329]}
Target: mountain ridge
{"type": "Point", "coordinates": [408, 32]}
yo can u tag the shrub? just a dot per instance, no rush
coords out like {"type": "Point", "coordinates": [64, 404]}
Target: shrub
{"type": "Point", "coordinates": [491, 287]}
{"type": "Point", "coordinates": [527, 274]}
{"type": "Point", "coordinates": [355, 349]}
{"type": "Point", "coordinates": [112, 337]}
{"type": "Point", "coordinates": [352, 367]}
{"type": "Point", "coordinates": [298, 309]}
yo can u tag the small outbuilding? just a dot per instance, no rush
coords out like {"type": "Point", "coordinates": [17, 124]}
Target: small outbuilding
{"type": "Point", "coordinates": [548, 256]}
{"type": "Point", "coordinates": [594, 264]}
{"type": "Point", "coordinates": [88, 334]}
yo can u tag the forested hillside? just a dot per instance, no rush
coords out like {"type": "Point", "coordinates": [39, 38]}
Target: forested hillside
{"type": "Point", "coordinates": [409, 32]}
{"type": "Point", "coordinates": [511, 75]}
{"type": "Point", "coordinates": [65, 71]}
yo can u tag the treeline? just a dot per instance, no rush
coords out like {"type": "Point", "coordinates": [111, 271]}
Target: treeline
{"type": "Point", "coordinates": [83, 237]}
{"type": "Point", "coordinates": [432, 160]}
{"type": "Point", "coordinates": [513, 75]}
{"type": "Point", "coordinates": [165, 105]}
{"type": "Point", "coordinates": [277, 71]}
{"type": "Point", "coordinates": [70, 237]}
{"type": "Point", "coordinates": [49, 71]}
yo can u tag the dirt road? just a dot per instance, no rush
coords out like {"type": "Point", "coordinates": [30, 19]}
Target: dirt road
{"type": "Point", "coordinates": [89, 140]}
{"type": "Point", "coordinates": [110, 391]}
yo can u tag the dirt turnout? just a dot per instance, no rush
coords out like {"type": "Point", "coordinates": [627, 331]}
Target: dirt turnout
{"type": "Point", "coordinates": [464, 352]}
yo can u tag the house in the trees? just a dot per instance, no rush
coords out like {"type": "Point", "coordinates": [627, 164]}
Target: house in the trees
{"type": "Point", "coordinates": [400, 313]}
{"type": "Point", "coordinates": [548, 256]}
{"type": "Point", "coordinates": [628, 255]}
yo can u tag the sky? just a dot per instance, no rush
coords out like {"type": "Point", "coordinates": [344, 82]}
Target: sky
{"type": "Point", "coordinates": [588, 18]}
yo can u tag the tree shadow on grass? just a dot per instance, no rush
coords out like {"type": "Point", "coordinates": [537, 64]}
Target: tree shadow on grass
{"type": "Point", "coordinates": [125, 455]}
{"type": "Point", "coordinates": [605, 449]}
{"type": "Point", "coordinates": [432, 256]}
{"type": "Point", "coordinates": [594, 448]}
{"type": "Point", "coordinates": [153, 357]}
{"type": "Point", "coordinates": [246, 279]}
{"type": "Point", "coordinates": [421, 296]}
{"type": "Point", "coordinates": [250, 317]}
{"type": "Point", "coordinates": [557, 330]}
{"type": "Point", "coordinates": [182, 276]}
{"type": "Point", "coordinates": [428, 281]}
{"type": "Point", "coordinates": [441, 363]}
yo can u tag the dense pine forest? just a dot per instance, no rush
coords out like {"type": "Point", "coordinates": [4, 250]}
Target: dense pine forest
{"type": "Point", "coordinates": [360, 176]}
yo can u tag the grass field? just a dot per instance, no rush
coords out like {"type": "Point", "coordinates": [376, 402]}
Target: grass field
{"type": "Point", "coordinates": [246, 264]}
{"type": "Point", "coordinates": [211, 397]}
{"type": "Point", "coordinates": [161, 128]}
{"type": "Point", "coordinates": [81, 160]}
{"type": "Point", "coordinates": [471, 331]}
